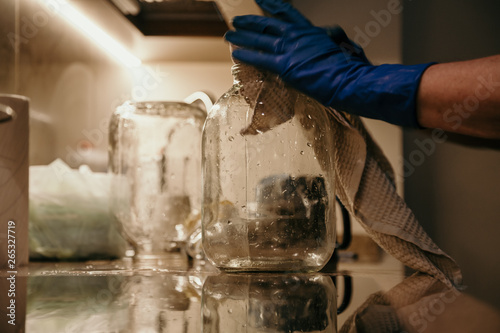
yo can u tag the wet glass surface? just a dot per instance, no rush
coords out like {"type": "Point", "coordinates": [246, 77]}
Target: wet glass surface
{"type": "Point", "coordinates": [178, 295]}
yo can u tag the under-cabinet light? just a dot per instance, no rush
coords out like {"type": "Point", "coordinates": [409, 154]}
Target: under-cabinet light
{"type": "Point", "coordinates": [96, 34]}
{"type": "Point", "coordinates": [127, 7]}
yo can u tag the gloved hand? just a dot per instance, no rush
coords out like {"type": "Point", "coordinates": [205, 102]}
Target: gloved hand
{"type": "Point", "coordinates": [329, 68]}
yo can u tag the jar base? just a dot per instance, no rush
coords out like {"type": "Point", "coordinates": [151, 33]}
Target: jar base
{"type": "Point", "coordinates": [266, 265]}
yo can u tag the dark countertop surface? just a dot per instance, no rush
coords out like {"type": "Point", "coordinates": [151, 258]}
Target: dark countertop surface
{"type": "Point", "coordinates": [182, 296]}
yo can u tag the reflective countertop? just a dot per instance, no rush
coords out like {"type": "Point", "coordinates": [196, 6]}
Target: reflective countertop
{"type": "Point", "coordinates": [178, 295]}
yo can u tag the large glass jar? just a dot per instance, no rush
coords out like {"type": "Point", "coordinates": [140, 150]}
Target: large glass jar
{"type": "Point", "coordinates": [270, 303]}
{"type": "Point", "coordinates": [155, 159]}
{"type": "Point", "coordinates": [268, 189]}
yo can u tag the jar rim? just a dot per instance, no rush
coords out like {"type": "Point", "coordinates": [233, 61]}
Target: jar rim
{"type": "Point", "coordinates": [164, 108]}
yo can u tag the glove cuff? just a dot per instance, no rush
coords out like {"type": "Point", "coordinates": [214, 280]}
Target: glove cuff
{"type": "Point", "coordinates": [397, 102]}
{"type": "Point", "coordinates": [406, 84]}
{"type": "Point", "coordinates": [385, 92]}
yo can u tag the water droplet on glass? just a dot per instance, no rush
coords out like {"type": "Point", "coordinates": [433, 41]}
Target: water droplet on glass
{"type": "Point", "coordinates": [231, 138]}
{"type": "Point", "coordinates": [309, 116]}
{"type": "Point", "coordinates": [309, 144]}
{"type": "Point", "coordinates": [301, 152]}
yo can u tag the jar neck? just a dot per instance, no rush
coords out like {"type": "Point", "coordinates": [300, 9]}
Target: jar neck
{"type": "Point", "coordinates": [243, 74]}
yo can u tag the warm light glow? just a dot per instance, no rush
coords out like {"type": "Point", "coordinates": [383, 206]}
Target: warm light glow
{"type": "Point", "coordinates": [96, 34]}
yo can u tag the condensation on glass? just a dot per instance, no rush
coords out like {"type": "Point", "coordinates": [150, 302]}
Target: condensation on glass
{"type": "Point", "coordinates": [155, 159]}
{"type": "Point", "coordinates": [268, 197]}
{"type": "Point", "coordinates": [269, 303]}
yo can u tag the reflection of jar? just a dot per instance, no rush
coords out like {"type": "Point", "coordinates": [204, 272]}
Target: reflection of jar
{"type": "Point", "coordinates": [161, 303]}
{"type": "Point", "coordinates": [268, 196]}
{"type": "Point", "coordinates": [156, 161]}
{"type": "Point", "coordinates": [269, 303]}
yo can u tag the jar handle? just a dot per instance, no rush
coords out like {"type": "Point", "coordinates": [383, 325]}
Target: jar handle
{"type": "Point", "coordinates": [346, 300]}
{"type": "Point", "coordinates": [347, 235]}
{"type": "Point", "coordinates": [6, 113]}
{"type": "Point", "coordinates": [200, 96]}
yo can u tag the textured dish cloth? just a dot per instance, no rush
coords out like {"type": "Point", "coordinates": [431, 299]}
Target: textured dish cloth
{"type": "Point", "coordinates": [364, 178]}
{"type": "Point", "coordinates": [396, 309]}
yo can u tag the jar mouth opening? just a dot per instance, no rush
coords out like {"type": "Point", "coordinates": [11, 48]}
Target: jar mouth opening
{"type": "Point", "coordinates": [165, 108]}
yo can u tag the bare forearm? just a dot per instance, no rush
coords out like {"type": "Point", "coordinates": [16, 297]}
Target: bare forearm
{"type": "Point", "coordinates": [462, 97]}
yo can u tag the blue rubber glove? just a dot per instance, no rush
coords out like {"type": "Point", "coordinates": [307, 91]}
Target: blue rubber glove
{"type": "Point", "coordinates": [329, 68]}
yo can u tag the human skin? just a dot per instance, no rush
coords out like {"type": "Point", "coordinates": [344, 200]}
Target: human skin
{"type": "Point", "coordinates": [462, 97]}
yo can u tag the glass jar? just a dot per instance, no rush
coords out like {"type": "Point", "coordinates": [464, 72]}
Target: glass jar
{"type": "Point", "coordinates": [268, 189]}
{"type": "Point", "coordinates": [269, 303]}
{"type": "Point", "coordinates": [155, 159]}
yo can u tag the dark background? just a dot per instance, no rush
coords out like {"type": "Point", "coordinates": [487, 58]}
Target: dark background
{"type": "Point", "coordinates": [455, 192]}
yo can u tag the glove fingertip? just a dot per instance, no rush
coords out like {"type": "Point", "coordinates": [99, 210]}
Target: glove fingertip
{"type": "Point", "coordinates": [229, 35]}
{"type": "Point", "coordinates": [237, 19]}
{"type": "Point", "coordinates": [273, 6]}
{"type": "Point", "coordinates": [246, 56]}
{"type": "Point", "coordinates": [257, 59]}
{"type": "Point", "coordinates": [239, 54]}
{"type": "Point", "coordinates": [245, 21]}
{"type": "Point", "coordinates": [283, 10]}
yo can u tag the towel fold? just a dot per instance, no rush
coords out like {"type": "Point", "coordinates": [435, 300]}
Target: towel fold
{"type": "Point", "coordinates": [363, 176]}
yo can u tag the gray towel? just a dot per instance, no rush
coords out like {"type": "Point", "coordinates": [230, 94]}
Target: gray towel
{"type": "Point", "coordinates": [364, 178]}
